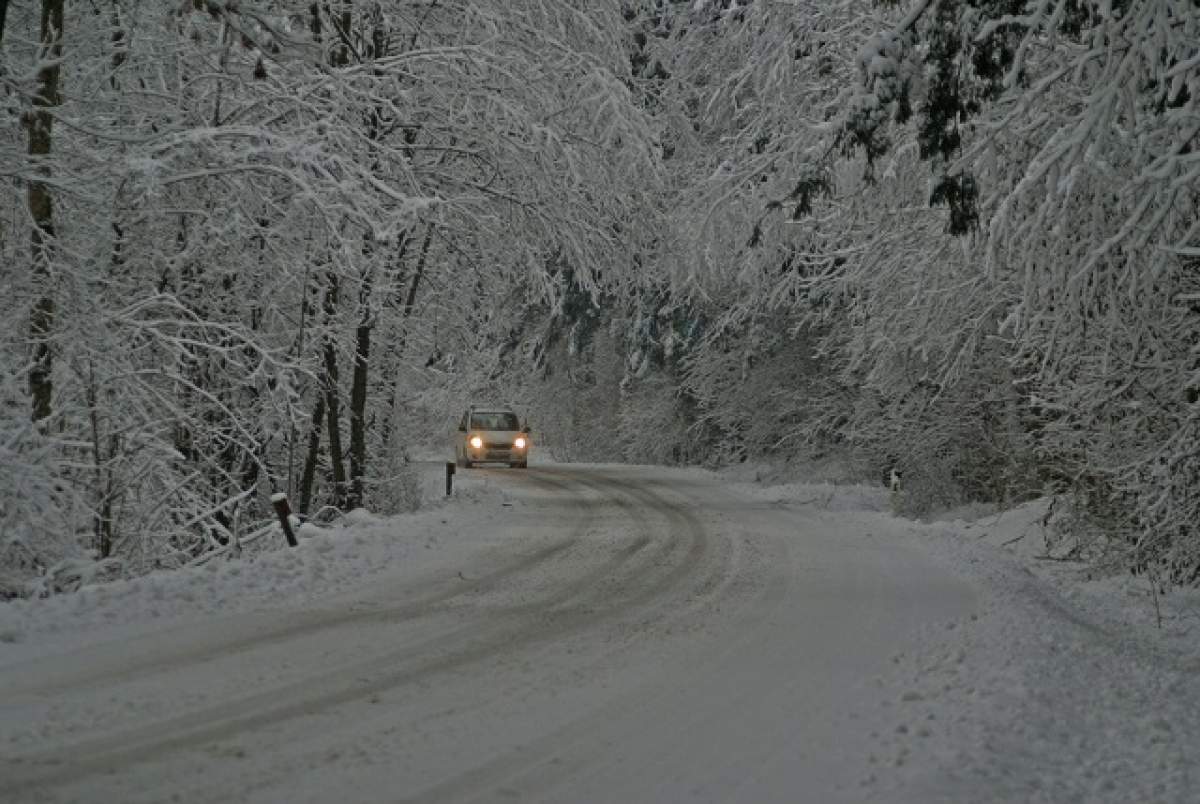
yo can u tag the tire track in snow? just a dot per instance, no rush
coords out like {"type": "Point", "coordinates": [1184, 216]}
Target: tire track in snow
{"type": "Point", "coordinates": [619, 585]}
{"type": "Point", "coordinates": [278, 629]}
{"type": "Point", "coordinates": [541, 760]}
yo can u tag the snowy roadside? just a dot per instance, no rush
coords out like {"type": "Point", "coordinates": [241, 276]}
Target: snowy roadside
{"type": "Point", "coordinates": [1061, 688]}
{"type": "Point", "coordinates": [328, 561]}
{"type": "Point", "coordinates": [1095, 702]}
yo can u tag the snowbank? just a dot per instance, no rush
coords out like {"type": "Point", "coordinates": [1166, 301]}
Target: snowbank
{"type": "Point", "coordinates": [1060, 688]}
{"type": "Point", "coordinates": [328, 560]}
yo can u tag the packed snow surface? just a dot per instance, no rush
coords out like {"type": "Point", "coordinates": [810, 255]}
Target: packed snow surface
{"type": "Point", "coordinates": [612, 634]}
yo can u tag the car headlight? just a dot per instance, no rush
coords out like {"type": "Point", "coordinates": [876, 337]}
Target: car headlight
{"type": "Point", "coordinates": [476, 442]}
{"type": "Point", "coordinates": [519, 443]}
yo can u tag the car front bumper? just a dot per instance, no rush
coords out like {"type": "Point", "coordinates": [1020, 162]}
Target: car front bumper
{"type": "Point", "coordinates": [497, 455]}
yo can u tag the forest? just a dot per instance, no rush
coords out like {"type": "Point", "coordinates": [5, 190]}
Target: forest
{"type": "Point", "coordinates": [251, 247]}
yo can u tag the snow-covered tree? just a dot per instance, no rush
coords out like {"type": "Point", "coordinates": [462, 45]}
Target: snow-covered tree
{"type": "Point", "coordinates": [1062, 136]}
{"type": "Point", "coordinates": [254, 202]}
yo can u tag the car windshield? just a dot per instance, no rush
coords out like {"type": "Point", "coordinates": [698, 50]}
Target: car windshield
{"type": "Point", "coordinates": [494, 421]}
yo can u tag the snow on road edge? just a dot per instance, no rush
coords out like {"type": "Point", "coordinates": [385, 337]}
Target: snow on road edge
{"type": "Point", "coordinates": [328, 560]}
{"type": "Point", "coordinates": [1060, 688]}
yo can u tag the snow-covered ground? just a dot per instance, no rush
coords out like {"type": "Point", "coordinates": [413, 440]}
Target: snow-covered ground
{"type": "Point", "coordinates": [603, 633]}
{"type": "Point", "coordinates": [1062, 688]}
{"type": "Point", "coordinates": [330, 560]}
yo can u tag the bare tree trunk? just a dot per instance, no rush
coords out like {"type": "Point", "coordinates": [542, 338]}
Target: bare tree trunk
{"type": "Point", "coordinates": [332, 406]}
{"type": "Point", "coordinates": [119, 45]}
{"type": "Point", "coordinates": [102, 470]}
{"type": "Point", "coordinates": [41, 207]}
{"type": "Point", "coordinates": [409, 301]}
{"type": "Point", "coordinates": [411, 298]}
{"type": "Point", "coordinates": [341, 21]}
{"type": "Point", "coordinates": [310, 457]}
{"type": "Point", "coordinates": [332, 415]}
{"type": "Point", "coordinates": [358, 395]}
{"type": "Point", "coordinates": [328, 403]}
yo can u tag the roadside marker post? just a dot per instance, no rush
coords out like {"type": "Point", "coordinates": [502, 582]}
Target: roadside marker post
{"type": "Point", "coordinates": [280, 503]}
{"type": "Point", "coordinates": [449, 478]}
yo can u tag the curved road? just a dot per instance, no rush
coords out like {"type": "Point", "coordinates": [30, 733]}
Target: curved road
{"type": "Point", "coordinates": [638, 636]}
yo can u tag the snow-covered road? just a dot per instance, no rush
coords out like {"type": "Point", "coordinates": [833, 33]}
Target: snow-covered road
{"type": "Point", "coordinates": [582, 634]}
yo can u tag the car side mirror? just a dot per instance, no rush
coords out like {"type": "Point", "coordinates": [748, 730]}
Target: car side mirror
{"type": "Point", "coordinates": [462, 428]}
{"type": "Point", "coordinates": [525, 429]}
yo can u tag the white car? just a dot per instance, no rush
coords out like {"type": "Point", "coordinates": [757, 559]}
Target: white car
{"type": "Point", "coordinates": [491, 435]}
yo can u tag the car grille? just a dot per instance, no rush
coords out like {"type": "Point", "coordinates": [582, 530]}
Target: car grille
{"type": "Point", "coordinates": [495, 445]}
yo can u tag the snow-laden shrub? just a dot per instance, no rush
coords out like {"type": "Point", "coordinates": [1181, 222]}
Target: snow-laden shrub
{"type": "Point", "coordinates": [753, 388]}
{"type": "Point", "coordinates": [40, 513]}
{"type": "Point", "coordinates": [70, 574]}
{"type": "Point", "coordinates": [398, 488]}
{"type": "Point", "coordinates": [572, 402]}
{"type": "Point", "coordinates": [653, 428]}
{"type": "Point", "coordinates": [1129, 486]}
{"type": "Point", "coordinates": [1168, 502]}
